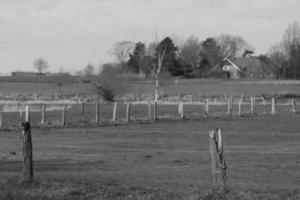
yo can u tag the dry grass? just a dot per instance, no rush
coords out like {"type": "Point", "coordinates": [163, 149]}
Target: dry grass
{"type": "Point", "coordinates": [165, 160]}
{"type": "Point", "coordinates": [205, 87]}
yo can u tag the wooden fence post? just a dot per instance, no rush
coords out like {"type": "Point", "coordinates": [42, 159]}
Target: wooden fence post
{"type": "Point", "coordinates": [114, 119]}
{"type": "Point", "coordinates": [1, 115]}
{"type": "Point", "coordinates": [155, 110]}
{"type": "Point", "coordinates": [251, 105]}
{"type": "Point", "coordinates": [43, 121]}
{"type": "Point", "coordinates": [128, 109]}
{"type": "Point", "coordinates": [63, 116]}
{"type": "Point", "coordinates": [27, 148]}
{"type": "Point", "coordinates": [82, 109]}
{"type": "Point", "coordinates": [293, 103]}
{"type": "Point", "coordinates": [27, 113]}
{"type": "Point", "coordinates": [218, 161]}
{"type": "Point", "coordinates": [149, 111]}
{"type": "Point", "coordinates": [229, 106]}
{"type": "Point", "coordinates": [240, 107]}
{"type": "Point", "coordinates": [21, 113]}
{"type": "Point", "coordinates": [206, 107]}
{"type": "Point", "coordinates": [273, 110]}
{"type": "Point", "coordinates": [180, 110]}
{"type": "Point", "coordinates": [97, 113]}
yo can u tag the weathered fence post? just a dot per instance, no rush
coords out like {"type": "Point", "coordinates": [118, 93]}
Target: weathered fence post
{"type": "Point", "coordinates": [180, 110]}
{"type": "Point", "coordinates": [229, 106]}
{"type": "Point", "coordinates": [82, 109]}
{"type": "Point", "coordinates": [27, 113]}
{"type": "Point", "coordinates": [251, 105]}
{"type": "Point", "coordinates": [63, 116]}
{"type": "Point", "coordinates": [43, 121]}
{"type": "Point", "coordinates": [97, 113]}
{"type": "Point", "coordinates": [1, 115]}
{"type": "Point", "coordinates": [114, 119]}
{"type": "Point", "coordinates": [206, 107]}
{"type": "Point", "coordinates": [155, 110]}
{"type": "Point", "coordinates": [149, 111]}
{"type": "Point", "coordinates": [128, 109]}
{"type": "Point", "coordinates": [293, 103]}
{"type": "Point", "coordinates": [21, 113]}
{"type": "Point", "coordinates": [273, 111]}
{"type": "Point", "coordinates": [218, 161]}
{"type": "Point", "coordinates": [240, 107]}
{"type": "Point", "coordinates": [27, 148]}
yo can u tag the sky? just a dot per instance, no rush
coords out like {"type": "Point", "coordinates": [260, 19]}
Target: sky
{"type": "Point", "coordinates": [69, 34]}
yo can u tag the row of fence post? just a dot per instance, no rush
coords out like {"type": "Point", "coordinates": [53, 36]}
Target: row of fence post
{"type": "Point", "coordinates": [153, 110]}
{"type": "Point", "coordinates": [216, 150]}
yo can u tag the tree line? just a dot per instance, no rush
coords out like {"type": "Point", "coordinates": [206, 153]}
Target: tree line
{"type": "Point", "coordinates": [194, 58]}
{"type": "Point", "coordinates": [286, 53]}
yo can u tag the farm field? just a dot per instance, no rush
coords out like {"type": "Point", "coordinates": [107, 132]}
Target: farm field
{"type": "Point", "coordinates": [205, 87]}
{"type": "Point", "coordinates": [164, 160]}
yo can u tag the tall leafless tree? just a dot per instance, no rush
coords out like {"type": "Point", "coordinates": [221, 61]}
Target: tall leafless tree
{"type": "Point", "coordinates": [121, 51]}
{"type": "Point", "coordinates": [190, 51]}
{"type": "Point", "coordinates": [41, 65]}
{"type": "Point", "coordinates": [232, 46]}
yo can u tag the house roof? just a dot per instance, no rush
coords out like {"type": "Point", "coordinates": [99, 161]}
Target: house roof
{"type": "Point", "coordinates": [250, 63]}
{"type": "Point", "coordinates": [244, 63]}
{"type": "Point", "coordinates": [232, 63]}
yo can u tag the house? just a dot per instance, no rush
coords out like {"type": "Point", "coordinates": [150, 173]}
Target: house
{"type": "Point", "coordinates": [249, 67]}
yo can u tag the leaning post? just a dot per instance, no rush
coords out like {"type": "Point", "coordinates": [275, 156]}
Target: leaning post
{"type": "Point", "coordinates": [218, 161]}
{"type": "Point", "coordinates": [293, 103]}
{"type": "Point", "coordinates": [27, 148]}
{"type": "Point", "coordinates": [114, 119]}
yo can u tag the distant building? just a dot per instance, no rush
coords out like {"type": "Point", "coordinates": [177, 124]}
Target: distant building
{"type": "Point", "coordinates": [26, 74]}
{"type": "Point", "coordinates": [249, 67]}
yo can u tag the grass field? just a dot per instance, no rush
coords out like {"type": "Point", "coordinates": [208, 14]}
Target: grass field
{"type": "Point", "coordinates": [164, 160]}
{"type": "Point", "coordinates": [205, 87]}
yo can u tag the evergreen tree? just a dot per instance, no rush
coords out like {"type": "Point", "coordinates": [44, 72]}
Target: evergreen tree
{"type": "Point", "coordinates": [210, 55]}
{"type": "Point", "coordinates": [168, 49]}
{"type": "Point", "coordinates": [136, 58]}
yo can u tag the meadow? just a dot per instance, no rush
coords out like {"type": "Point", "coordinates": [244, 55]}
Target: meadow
{"type": "Point", "coordinates": [164, 160]}
{"type": "Point", "coordinates": [205, 87]}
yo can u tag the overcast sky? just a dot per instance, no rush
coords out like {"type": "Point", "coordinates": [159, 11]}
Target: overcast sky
{"type": "Point", "coordinates": [72, 33]}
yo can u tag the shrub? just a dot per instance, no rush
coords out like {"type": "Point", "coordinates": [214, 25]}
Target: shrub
{"type": "Point", "coordinates": [109, 83]}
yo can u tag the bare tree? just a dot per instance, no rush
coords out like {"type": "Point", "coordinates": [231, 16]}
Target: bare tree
{"type": "Point", "coordinates": [279, 57]}
{"type": "Point", "coordinates": [160, 57]}
{"type": "Point", "coordinates": [190, 51]}
{"type": "Point", "coordinates": [232, 45]}
{"type": "Point", "coordinates": [89, 70]}
{"type": "Point", "coordinates": [121, 51]}
{"type": "Point", "coordinates": [41, 65]}
{"type": "Point", "coordinates": [291, 43]}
